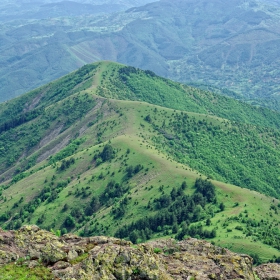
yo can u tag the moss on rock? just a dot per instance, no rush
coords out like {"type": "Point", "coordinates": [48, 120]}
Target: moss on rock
{"type": "Point", "coordinates": [71, 257]}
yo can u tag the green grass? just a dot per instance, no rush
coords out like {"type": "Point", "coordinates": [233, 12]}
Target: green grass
{"type": "Point", "coordinates": [21, 272]}
{"type": "Point", "coordinates": [252, 204]}
{"type": "Point", "coordinates": [79, 259]}
{"type": "Point", "coordinates": [162, 170]}
{"type": "Point", "coordinates": [128, 83]}
{"type": "Point", "coordinates": [170, 149]}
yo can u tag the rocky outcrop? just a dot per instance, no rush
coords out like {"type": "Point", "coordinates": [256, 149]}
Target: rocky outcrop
{"type": "Point", "coordinates": [202, 260]}
{"type": "Point", "coordinates": [73, 257]}
{"type": "Point", "coordinates": [268, 271]}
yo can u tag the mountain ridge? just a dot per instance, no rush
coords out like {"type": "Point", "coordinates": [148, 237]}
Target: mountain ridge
{"type": "Point", "coordinates": [99, 164]}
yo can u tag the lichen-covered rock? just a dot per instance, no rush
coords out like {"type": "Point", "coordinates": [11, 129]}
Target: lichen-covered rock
{"type": "Point", "coordinates": [102, 258]}
{"type": "Point", "coordinates": [269, 271]}
{"type": "Point", "coordinates": [7, 257]}
{"type": "Point", "coordinates": [203, 260]}
{"type": "Point", "coordinates": [114, 261]}
{"type": "Point", "coordinates": [33, 243]}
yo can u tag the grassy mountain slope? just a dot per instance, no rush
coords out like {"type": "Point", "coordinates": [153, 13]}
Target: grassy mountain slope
{"type": "Point", "coordinates": [50, 191]}
{"type": "Point", "coordinates": [52, 110]}
{"type": "Point", "coordinates": [73, 160]}
{"type": "Point", "coordinates": [118, 82]}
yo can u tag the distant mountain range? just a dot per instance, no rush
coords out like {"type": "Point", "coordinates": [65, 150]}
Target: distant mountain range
{"type": "Point", "coordinates": [26, 10]}
{"type": "Point", "coordinates": [232, 45]}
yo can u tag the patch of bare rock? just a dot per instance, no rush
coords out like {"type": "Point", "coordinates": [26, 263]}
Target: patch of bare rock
{"type": "Point", "coordinates": [268, 271]}
{"type": "Point", "coordinates": [72, 257]}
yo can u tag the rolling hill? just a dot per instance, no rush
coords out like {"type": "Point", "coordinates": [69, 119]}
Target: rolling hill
{"type": "Point", "coordinates": [98, 152]}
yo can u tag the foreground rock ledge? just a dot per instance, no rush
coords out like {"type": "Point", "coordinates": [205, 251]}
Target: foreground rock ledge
{"type": "Point", "coordinates": [72, 257]}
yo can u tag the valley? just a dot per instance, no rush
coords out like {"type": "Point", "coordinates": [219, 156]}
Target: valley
{"type": "Point", "coordinates": [230, 48]}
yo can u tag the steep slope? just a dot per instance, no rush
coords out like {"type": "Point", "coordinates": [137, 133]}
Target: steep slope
{"type": "Point", "coordinates": [119, 82]}
{"type": "Point", "coordinates": [76, 161]}
{"type": "Point", "coordinates": [53, 111]}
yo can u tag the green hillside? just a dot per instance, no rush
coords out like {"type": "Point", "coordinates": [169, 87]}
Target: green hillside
{"type": "Point", "coordinates": [75, 157]}
{"type": "Point", "coordinates": [119, 82]}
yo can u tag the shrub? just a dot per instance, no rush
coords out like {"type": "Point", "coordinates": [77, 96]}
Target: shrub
{"type": "Point", "coordinates": [157, 250]}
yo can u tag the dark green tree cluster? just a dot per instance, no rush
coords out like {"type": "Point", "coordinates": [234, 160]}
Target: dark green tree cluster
{"type": "Point", "coordinates": [196, 231]}
{"type": "Point", "coordinates": [20, 119]}
{"type": "Point", "coordinates": [106, 154]}
{"type": "Point", "coordinates": [206, 189]}
{"type": "Point", "coordinates": [133, 170]}
{"type": "Point", "coordinates": [113, 190]}
{"type": "Point", "coordinates": [93, 206]}
{"type": "Point", "coordinates": [69, 222]}
{"type": "Point", "coordinates": [66, 163]}
{"type": "Point", "coordinates": [176, 209]}
{"type": "Point", "coordinates": [119, 210]}
{"type": "Point", "coordinates": [126, 71]}
{"type": "Point", "coordinates": [67, 151]}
